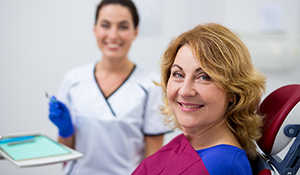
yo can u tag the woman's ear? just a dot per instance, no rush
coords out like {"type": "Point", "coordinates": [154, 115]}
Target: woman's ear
{"type": "Point", "coordinates": [94, 29]}
{"type": "Point", "coordinates": [136, 31]}
{"type": "Point", "coordinates": [231, 101]}
{"type": "Point", "coordinates": [231, 97]}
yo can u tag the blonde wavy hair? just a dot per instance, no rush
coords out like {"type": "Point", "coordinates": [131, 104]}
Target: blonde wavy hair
{"type": "Point", "coordinates": [226, 59]}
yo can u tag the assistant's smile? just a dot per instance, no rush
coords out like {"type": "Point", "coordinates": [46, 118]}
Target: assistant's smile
{"type": "Point", "coordinates": [112, 45]}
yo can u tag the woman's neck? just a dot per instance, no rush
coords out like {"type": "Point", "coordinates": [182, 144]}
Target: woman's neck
{"type": "Point", "coordinates": [114, 66]}
{"type": "Point", "coordinates": [211, 136]}
{"type": "Point", "coordinates": [111, 75]}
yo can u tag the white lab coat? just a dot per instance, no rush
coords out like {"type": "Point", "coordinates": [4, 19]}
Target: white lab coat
{"type": "Point", "coordinates": [110, 132]}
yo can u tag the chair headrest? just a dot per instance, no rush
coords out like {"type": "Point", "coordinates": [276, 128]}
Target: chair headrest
{"type": "Point", "coordinates": [276, 108]}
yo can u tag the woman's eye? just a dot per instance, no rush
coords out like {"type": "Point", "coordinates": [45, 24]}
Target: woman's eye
{"type": "Point", "coordinates": [104, 25]}
{"type": "Point", "coordinates": [123, 27]}
{"type": "Point", "coordinates": [177, 75]}
{"type": "Point", "coordinates": [204, 77]}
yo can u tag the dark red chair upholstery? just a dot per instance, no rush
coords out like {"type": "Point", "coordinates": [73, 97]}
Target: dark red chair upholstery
{"type": "Point", "coordinates": [278, 130]}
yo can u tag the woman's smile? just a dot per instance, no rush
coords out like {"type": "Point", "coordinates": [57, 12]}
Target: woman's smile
{"type": "Point", "coordinates": [113, 46]}
{"type": "Point", "coordinates": [189, 107]}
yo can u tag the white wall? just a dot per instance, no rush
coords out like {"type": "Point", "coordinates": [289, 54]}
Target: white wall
{"type": "Point", "coordinates": [40, 40]}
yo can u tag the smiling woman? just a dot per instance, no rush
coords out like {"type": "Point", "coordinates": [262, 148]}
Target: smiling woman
{"type": "Point", "coordinates": [192, 93]}
{"type": "Point", "coordinates": [211, 92]}
{"type": "Point", "coordinates": [90, 113]}
{"type": "Point", "coordinates": [115, 31]}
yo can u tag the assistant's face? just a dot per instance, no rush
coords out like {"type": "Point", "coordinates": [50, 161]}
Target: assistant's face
{"type": "Point", "coordinates": [194, 98]}
{"type": "Point", "coordinates": [114, 31]}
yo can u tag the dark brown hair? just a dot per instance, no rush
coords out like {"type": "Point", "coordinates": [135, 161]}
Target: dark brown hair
{"type": "Point", "coordinates": [126, 3]}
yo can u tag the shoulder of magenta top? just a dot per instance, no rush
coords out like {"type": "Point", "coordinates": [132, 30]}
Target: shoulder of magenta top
{"type": "Point", "coordinates": [177, 157]}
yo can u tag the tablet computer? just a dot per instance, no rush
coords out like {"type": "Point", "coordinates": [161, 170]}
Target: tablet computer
{"type": "Point", "coordinates": [34, 149]}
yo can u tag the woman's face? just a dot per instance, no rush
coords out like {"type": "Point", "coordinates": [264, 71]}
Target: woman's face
{"type": "Point", "coordinates": [194, 98]}
{"type": "Point", "coordinates": [114, 31]}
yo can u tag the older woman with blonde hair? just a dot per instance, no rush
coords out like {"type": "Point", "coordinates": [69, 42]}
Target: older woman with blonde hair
{"type": "Point", "coordinates": [211, 92]}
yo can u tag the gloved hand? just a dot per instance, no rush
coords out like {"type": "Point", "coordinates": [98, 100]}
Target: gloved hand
{"type": "Point", "coordinates": [60, 116]}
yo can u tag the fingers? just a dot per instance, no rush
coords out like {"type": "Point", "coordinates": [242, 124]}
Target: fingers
{"type": "Point", "coordinates": [63, 106]}
{"type": "Point", "coordinates": [53, 99]}
{"type": "Point", "coordinates": [55, 110]}
{"type": "Point", "coordinates": [57, 104]}
{"type": "Point", "coordinates": [55, 113]}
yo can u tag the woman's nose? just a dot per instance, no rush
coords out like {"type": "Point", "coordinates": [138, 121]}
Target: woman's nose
{"type": "Point", "coordinates": [113, 33]}
{"type": "Point", "coordinates": [187, 89]}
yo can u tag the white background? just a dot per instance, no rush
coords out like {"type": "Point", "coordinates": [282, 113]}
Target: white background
{"type": "Point", "coordinates": [40, 40]}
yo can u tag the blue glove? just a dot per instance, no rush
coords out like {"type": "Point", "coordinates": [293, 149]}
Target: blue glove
{"type": "Point", "coordinates": [60, 116]}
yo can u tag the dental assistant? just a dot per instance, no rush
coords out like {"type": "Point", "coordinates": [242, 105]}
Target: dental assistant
{"type": "Point", "coordinates": [108, 110]}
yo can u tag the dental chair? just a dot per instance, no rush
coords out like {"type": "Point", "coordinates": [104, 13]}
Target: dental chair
{"type": "Point", "coordinates": [279, 130]}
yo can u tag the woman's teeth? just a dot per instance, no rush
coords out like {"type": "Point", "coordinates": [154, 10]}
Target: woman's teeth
{"type": "Point", "coordinates": [191, 106]}
{"type": "Point", "coordinates": [112, 45]}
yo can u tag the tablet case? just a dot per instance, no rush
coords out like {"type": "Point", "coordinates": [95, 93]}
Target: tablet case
{"type": "Point", "coordinates": [25, 150]}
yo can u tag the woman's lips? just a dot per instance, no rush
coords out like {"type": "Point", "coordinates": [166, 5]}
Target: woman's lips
{"type": "Point", "coordinates": [189, 107]}
{"type": "Point", "coordinates": [112, 45]}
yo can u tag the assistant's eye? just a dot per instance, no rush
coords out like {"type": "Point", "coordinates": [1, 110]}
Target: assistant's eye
{"type": "Point", "coordinates": [104, 25]}
{"type": "Point", "coordinates": [123, 27]}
